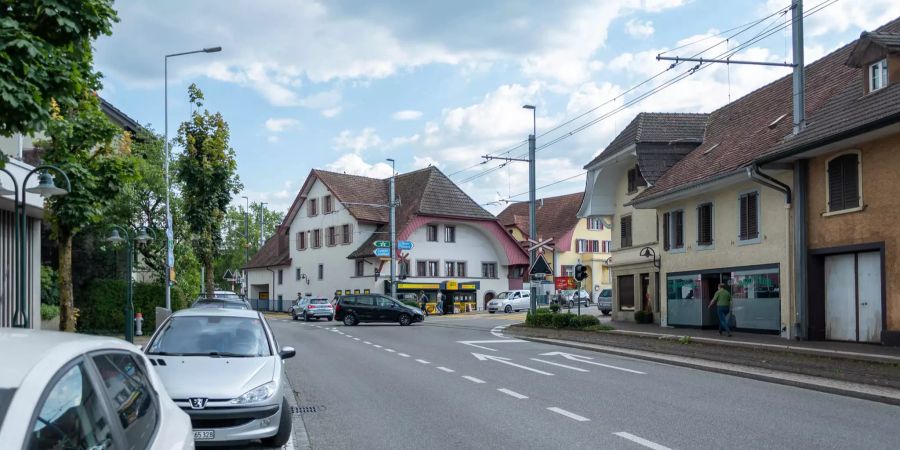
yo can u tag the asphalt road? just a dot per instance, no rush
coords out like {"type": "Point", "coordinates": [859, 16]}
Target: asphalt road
{"type": "Point", "coordinates": [386, 386]}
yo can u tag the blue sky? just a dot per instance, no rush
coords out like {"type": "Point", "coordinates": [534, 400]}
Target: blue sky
{"type": "Point", "coordinates": [343, 85]}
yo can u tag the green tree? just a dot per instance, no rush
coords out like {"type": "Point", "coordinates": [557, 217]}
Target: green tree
{"type": "Point", "coordinates": [96, 156]}
{"type": "Point", "coordinates": [46, 56]}
{"type": "Point", "coordinates": [207, 174]}
{"type": "Point", "coordinates": [234, 244]}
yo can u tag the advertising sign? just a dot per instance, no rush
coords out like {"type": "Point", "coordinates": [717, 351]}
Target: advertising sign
{"type": "Point", "coordinates": [564, 283]}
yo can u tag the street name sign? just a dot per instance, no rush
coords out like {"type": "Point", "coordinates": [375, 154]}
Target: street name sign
{"type": "Point", "coordinates": [383, 244]}
{"type": "Point", "coordinates": [405, 245]}
{"type": "Point", "coordinates": [383, 252]}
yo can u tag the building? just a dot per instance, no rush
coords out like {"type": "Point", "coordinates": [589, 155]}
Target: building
{"type": "Point", "coordinates": [325, 246]}
{"type": "Point", "coordinates": [575, 240]}
{"type": "Point", "coordinates": [636, 158]}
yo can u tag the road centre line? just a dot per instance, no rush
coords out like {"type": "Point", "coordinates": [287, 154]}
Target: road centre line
{"type": "Point", "coordinates": [642, 441]}
{"type": "Point", "coordinates": [376, 346]}
{"type": "Point", "coordinates": [422, 361]}
{"type": "Point", "coordinates": [367, 343]}
{"type": "Point", "coordinates": [445, 369]}
{"type": "Point", "coordinates": [355, 339]}
{"type": "Point", "coordinates": [474, 380]}
{"type": "Point", "coordinates": [568, 414]}
{"type": "Point", "coordinates": [512, 393]}
{"type": "Point", "coordinates": [390, 350]}
{"type": "Point", "coordinates": [577, 369]}
{"type": "Point", "coordinates": [403, 355]}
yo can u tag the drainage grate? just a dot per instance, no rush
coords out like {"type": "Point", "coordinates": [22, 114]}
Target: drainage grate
{"type": "Point", "coordinates": [307, 409]}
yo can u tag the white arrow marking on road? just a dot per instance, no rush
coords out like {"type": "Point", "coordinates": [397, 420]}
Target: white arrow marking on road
{"type": "Point", "coordinates": [376, 346]}
{"type": "Point", "coordinates": [496, 341]}
{"type": "Point", "coordinates": [507, 361]}
{"type": "Point", "coordinates": [642, 441]}
{"type": "Point", "coordinates": [577, 369]}
{"type": "Point", "coordinates": [367, 343]}
{"type": "Point", "coordinates": [390, 350]}
{"type": "Point", "coordinates": [584, 360]}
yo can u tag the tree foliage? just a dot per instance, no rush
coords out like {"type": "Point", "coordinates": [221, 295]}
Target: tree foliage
{"type": "Point", "coordinates": [234, 244]}
{"type": "Point", "coordinates": [46, 56]}
{"type": "Point", "coordinates": [207, 175]}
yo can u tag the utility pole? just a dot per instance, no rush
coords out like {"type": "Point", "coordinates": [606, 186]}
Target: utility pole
{"type": "Point", "coordinates": [393, 204]}
{"type": "Point", "coordinates": [262, 221]}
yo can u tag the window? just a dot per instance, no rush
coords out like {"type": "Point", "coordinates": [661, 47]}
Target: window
{"type": "Point", "coordinates": [316, 238]}
{"type": "Point", "coordinates": [449, 233]}
{"type": "Point", "coordinates": [568, 271]}
{"type": "Point", "coordinates": [72, 414]}
{"type": "Point", "coordinates": [635, 180]}
{"type": "Point", "coordinates": [460, 269]}
{"type": "Point", "coordinates": [489, 270]}
{"type": "Point", "coordinates": [331, 236]}
{"type": "Point", "coordinates": [313, 207]}
{"type": "Point", "coordinates": [749, 216]}
{"type": "Point", "coordinates": [878, 75]}
{"type": "Point", "coordinates": [299, 273]}
{"type": "Point", "coordinates": [705, 224]}
{"type": "Point", "coordinates": [673, 230]}
{"type": "Point", "coordinates": [516, 272]}
{"type": "Point", "coordinates": [321, 271]}
{"type": "Point", "coordinates": [329, 204]}
{"type": "Point", "coordinates": [421, 269]}
{"type": "Point", "coordinates": [433, 269]}
{"type": "Point", "coordinates": [384, 302]}
{"type": "Point", "coordinates": [301, 240]}
{"type": "Point", "coordinates": [431, 233]}
{"type": "Point", "coordinates": [403, 269]}
{"type": "Point", "coordinates": [587, 246]}
{"type": "Point", "coordinates": [280, 276]}
{"type": "Point", "coordinates": [843, 182]}
{"type": "Point", "coordinates": [595, 223]}
{"type": "Point", "coordinates": [626, 292]}
{"type": "Point", "coordinates": [360, 267]}
{"type": "Point", "coordinates": [449, 269]}
{"type": "Point", "coordinates": [346, 233]}
{"type": "Point", "coordinates": [131, 395]}
{"type": "Point", "coordinates": [625, 231]}
{"type": "Point", "coordinates": [607, 247]}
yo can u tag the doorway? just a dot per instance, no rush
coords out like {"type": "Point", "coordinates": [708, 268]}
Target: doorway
{"type": "Point", "coordinates": [853, 297]}
{"type": "Point", "coordinates": [487, 298]}
{"type": "Point", "coordinates": [646, 302]}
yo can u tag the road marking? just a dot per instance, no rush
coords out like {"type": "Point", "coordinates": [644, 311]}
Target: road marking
{"type": "Point", "coordinates": [390, 350]}
{"type": "Point", "coordinates": [446, 369]}
{"type": "Point", "coordinates": [498, 330]}
{"type": "Point", "coordinates": [376, 346]}
{"type": "Point", "coordinates": [512, 393]}
{"type": "Point", "coordinates": [494, 341]}
{"type": "Point", "coordinates": [568, 414]}
{"type": "Point", "coordinates": [355, 339]}
{"type": "Point", "coordinates": [577, 369]}
{"type": "Point", "coordinates": [422, 361]}
{"type": "Point", "coordinates": [403, 355]}
{"type": "Point", "coordinates": [642, 441]}
{"type": "Point", "coordinates": [585, 360]}
{"type": "Point", "coordinates": [474, 380]}
{"type": "Point", "coordinates": [367, 343]}
{"type": "Point", "coordinates": [506, 361]}
{"type": "Point", "coordinates": [348, 335]}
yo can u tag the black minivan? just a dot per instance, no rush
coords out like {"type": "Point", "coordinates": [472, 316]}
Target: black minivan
{"type": "Point", "coordinates": [353, 309]}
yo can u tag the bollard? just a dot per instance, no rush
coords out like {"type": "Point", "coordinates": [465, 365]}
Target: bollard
{"type": "Point", "coordinates": [138, 324]}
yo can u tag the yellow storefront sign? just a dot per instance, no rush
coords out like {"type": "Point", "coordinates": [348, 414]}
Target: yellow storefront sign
{"type": "Point", "coordinates": [452, 285]}
{"type": "Point", "coordinates": [431, 286]}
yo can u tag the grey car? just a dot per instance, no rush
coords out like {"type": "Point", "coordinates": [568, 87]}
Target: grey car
{"type": "Point", "coordinates": [604, 301]}
{"type": "Point", "coordinates": [223, 367]}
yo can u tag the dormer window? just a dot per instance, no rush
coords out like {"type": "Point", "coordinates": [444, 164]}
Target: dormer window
{"type": "Point", "coordinates": [635, 180]}
{"type": "Point", "coordinates": [878, 75]}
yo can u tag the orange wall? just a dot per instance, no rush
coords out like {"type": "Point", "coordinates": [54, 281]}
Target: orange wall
{"type": "Point", "coordinates": [879, 221]}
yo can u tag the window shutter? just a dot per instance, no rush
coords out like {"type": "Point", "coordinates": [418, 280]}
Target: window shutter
{"type": "Point", "coordinates": [704, 224]}
{"type": "Point", "coordinates": [744, 232]}
{"type": "Point", "coordinates": [350, 237]}
{"type": "Point", "coordinates": [851, 180]}
{"type": "Point", "coordinates": [843, 182]}
{"type": "Point", "coordinates": [679, 229]}
{"type": "Point", "coordinates": [666, 231]}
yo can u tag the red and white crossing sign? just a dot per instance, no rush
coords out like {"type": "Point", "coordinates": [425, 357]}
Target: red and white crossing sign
{"type": "Point", "coordinates": [540, 245]}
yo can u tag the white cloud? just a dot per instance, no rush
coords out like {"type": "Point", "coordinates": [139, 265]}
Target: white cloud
{"type": "Point", "coordinates": [403, 140]}
{"type": "Point", "coordinates": [331, 112]}
{"type": "Point", "coordinates": [277, 125]}
{"type": "Point", "coordinates": [639, 29]}
{"type": "Point", "coordinates": [844, 15]}
{"type": "Point", "coordinates": [272, 139]}
{"type": "Point", "coordinates": [365, 139]}
{"type": "Point", "coordinates": [353, 164]}
{"type": "Point", "coordinates": [420, 162]}
{"type": "Point", "coordinates": [406, 114]}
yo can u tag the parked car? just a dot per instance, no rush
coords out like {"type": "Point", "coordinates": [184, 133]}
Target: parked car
{"type": "Point", "coordinates": [312, 308]}
{"type": "Point", "coordinates": [221, 302]}
{"type": "Point", "coordinates": [509, 301]}
{"type": "Point", "coordinates": [227, 294]}
{"type": "Point", "coordinates": [570, 296]}
{"type": "Point", "coordinates": [224, 368]}
{"type": "Point", "coordinates": [356, 309]}
{"type": "Point", "coordinates": [67, 390]}
{"type": "Point", "coordinates": [604, 301]}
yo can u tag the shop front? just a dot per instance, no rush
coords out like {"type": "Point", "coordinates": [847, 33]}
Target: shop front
{"type": "Point", "coordinates": [755, 292]}
{"type": "Point", "coordinates": [457, 296]}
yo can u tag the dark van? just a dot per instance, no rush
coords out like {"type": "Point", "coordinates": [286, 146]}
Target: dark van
{"type": "Point", "coordinates": [355, 309]}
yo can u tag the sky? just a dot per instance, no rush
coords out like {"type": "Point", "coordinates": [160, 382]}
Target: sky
{"type": "Point", "coordinates": [343, 85]}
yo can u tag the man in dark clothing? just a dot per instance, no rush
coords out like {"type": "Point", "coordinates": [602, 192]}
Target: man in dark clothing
{"type": "Point", "coordinates": [423, 300]}
{"type": "Point", "coordinates": [722, 300]}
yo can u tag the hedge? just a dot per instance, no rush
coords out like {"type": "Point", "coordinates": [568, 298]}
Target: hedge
{"type": "Point", "coordinates": [543, 318]}
{"type": "Point", "coordinates": [102, 305]}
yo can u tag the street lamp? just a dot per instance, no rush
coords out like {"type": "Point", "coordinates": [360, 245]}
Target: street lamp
{"type": "Point", "coordinates": [45, 188]}
{"type": "Point", "coordinates": [393, 205]}
{"type": "Point", "coordinates": [115, 238]}
{"type": "Point", "coordinates": [532, 221]}
{"type": "Point", "coordinates": [648, 252]}
{"type": "Point", "coordinates": [170, 235]}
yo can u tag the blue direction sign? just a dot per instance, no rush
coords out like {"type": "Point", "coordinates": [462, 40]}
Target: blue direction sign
{"type": "Point", "coordinates": [405, 245]}
{"type": "Point", "coordinates": [383, 252]}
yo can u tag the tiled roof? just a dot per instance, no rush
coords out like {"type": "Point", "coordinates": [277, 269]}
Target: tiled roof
{"type": "Point", "coordinates": [357, 189]}
{"type": "Point", "coordinates": [275, 252]}
{"type": "Point", "coordinates": [555, 215]}
{"type": "Point", "coordinates": [760, 123]}
{"type": "Point", "coordinates": [872, 46]}
{"type": "Point", "coordinates": [661, 128]}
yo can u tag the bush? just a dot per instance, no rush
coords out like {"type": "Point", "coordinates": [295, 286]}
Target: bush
{"type": "Point", "coordinates": [49, 312]}
{"type": "Point", "coordinates": [563, 320]}
{"type": "Point", "coordinates": [643, 317]}
{"type": "Point", "coordinates": [49, 286]}
{"type": "Point", "coordinates": [102, 305]}
{"type": "Point", "coordinates": [581, 322]}
{"type": "Point", "coordinates": [554, 307]}
{"type": "Point", "coordinates": [540, 318]}
{"type": "Point", "coordinates": [598, 327]}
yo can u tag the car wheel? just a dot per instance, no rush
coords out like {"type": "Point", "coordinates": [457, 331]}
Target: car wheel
{"type": "Point", "coordinates": [571, 304]}
{"type": "Point", "coordinates": [330, 318]}
{"type": "Point", "coordinates": [306, 317]}
{"type": "Point", "coordinates": [605, 312]}
{"type": "Point", "coordinates": [350, 320]}
{"type": "Point", "coordinates": [405, 320]}
{"type": "Point", "coordinates": [492, 312]}
{"type": "Point", "coordinates": [508, 309]}
{"type": "Point", "coordinates": [284, 428]}
{"type": "Point", "coordinates": [293, 316]}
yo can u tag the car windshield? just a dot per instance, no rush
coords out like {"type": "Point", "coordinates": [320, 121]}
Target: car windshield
{"type": "Point", "coordinates": [606, 293]}
{"type": "Point", "coordinates": [504, 295]}
{"type": "Point", "coordinates": [211, 336]}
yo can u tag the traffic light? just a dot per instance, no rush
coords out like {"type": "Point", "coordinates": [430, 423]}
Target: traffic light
{"type": "Point", "coordinates": [580, 272]}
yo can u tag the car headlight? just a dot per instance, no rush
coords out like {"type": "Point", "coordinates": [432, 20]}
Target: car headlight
{"type": "Point", "coordinates": [256, 395]}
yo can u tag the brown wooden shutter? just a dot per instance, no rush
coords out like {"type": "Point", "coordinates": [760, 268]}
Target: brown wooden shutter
{"type": "Point", "coordinates": [843, 182]}
{"type": "Point", "coordinates": [679, 229]}
{"type": "Point", "coordinates": [704, 224]}
{"type": "Point", "coordinates": [743, 218]}
{"type": "Point", "coordinates": [666, 231]}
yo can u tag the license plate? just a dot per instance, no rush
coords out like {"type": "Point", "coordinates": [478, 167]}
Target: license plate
{"type": "Point", "coordinates": [204, 435]}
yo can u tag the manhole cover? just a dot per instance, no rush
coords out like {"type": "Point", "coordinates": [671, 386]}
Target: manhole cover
{"type": "Point", "coordinates": [307, 409]}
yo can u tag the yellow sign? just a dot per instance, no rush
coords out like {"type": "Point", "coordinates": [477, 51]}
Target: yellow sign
{"type": "Point", "coordinates": [346, 291]}
{"type": "Point", "coordinates": [366, 291]}
{"type": "Point", "coordinates": [468, 287]}
{"type": "Point", "coordinates": [452, 285]}
{"type": "Point", "coordinates": [356, 291]}
{"type": "Point", "coordinates": [418, 286]}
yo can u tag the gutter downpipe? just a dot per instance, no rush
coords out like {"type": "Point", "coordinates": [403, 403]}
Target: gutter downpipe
{"type": "Point", "coordinates": [271, 291]}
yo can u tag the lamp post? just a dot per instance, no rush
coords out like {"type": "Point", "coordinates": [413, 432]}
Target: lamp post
{"type": "Point", "coordinates": [141, 237]}
{"type": "Point", "coordinates": [170, 235]}
{"type": "Point", "coordinates": [45, 188]}
{"type": "Point", "coordinates": [532, 221]}
{"type": "Point", "coordinates": [247, 243]}
{"type": "Point", "coordinates": [393, 204]}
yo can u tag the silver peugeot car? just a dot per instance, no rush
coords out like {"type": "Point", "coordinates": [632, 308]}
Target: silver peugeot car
{"type": "Point", "coordinates": [223, 367]}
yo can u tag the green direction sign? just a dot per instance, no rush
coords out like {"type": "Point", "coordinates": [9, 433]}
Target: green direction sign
{"type": "Point", "coordinates": [383, 244]}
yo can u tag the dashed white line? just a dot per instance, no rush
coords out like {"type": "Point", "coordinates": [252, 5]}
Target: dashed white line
{"type": "Point", "coordinates": [473, 379]}
{"type": "Point", "coordinates": [568, 414]}
{"type": "Point", "coordinates": [355, 339]}
{"type": "Point", "coordinates": [422, 361]}
{"type": "Point", "coordinates": [445, 369]}
{"type": "Point", "coordinates": [642, 441]}
{"type": "Point", "coordinates": [390, 350]}
{"type": "Point", "coordinates": [403, 355]}
{"type": "Point", "coordinates": [512, 393]}
{"type": "Point", "coordinates": [577, 369]}
{"type": "Point", "coordinates": [376, 346]}
{"type": "Point", "coordinates": [349, 336]}
{"type": "Point", "coordinates": [367, 343]}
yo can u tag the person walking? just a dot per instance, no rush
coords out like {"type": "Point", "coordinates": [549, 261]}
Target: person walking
{"type": "Point", "coordinates": [722, 300]}
{"type": "Point", "coordinates": [423, 300]}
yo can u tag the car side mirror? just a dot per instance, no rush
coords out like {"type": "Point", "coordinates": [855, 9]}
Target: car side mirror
{"type": "Point", "coordinates": [287, 352]}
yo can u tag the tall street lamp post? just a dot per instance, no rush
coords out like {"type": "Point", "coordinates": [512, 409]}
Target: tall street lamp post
{"type": "Point", "coordinates": [141, 237]}
{"type": "Point", "coordinates": [170, 235]}
{"type": "Point", "coordinates": [45, 188]}
{"type": "Point", "coordinates": [247, 245]}
{"type": "Point", "coordinates": [393, 204]}
{"type": "Point", "coordinates": [532, 221]}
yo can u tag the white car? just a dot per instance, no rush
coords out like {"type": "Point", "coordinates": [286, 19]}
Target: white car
{"type": "Point", "coordinates": [66, 390]}
{"type": "Point", "coordinates": [509, 301]}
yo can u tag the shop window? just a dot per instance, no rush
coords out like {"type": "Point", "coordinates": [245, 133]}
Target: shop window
{"type": "Point", "coordinates": [431, 233]}
{"type": "Point", "coordinates": [449, 233]}
{"type": "Point", "coordinates": [749, 216]}
{"type": "Point", "coordinates": [360, 267]}
{"type": "Point", "coordinates": [626, 292]}
{"type": "Point", "coordinates": [843, 182]}
{"type": "Point", "coordinates": [705, 224]}
{"type": "Point", "coordinates": [625, 231]}
{"type": "Point", "coordinates": [489, 270]}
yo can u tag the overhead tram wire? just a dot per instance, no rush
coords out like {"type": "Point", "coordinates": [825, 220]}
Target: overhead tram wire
{"type": "Point", "coordinates": [498, 152]}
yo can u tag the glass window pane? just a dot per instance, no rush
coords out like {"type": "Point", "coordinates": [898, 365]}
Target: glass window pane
{"type": "Point", "coordinates": [131, 395]}
{"type": "Point", "coordinates": [204, 335]}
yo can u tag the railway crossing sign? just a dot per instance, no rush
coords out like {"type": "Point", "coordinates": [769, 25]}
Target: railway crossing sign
{"type": "Point", "coordinates": [540, 246]}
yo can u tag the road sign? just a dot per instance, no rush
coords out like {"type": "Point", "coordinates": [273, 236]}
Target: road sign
{"type": "Point", "coordinates": [383, 244]}
{"type": "Point", "coordinates": [540, 266]}
{"type": "Point", "coordinates": [404, 245]}
{"type": "Point", "coordinates": [540, 245]}
{"type": "Point", "coordinates": [227, 276]}
{"type": "Point", "coordinates": [383, 252]}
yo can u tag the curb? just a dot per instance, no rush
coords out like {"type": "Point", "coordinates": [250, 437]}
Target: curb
{"type": "Point", "coordinates": [299, 436]}
{"type": "Point", "coordinates": [856, 390]}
